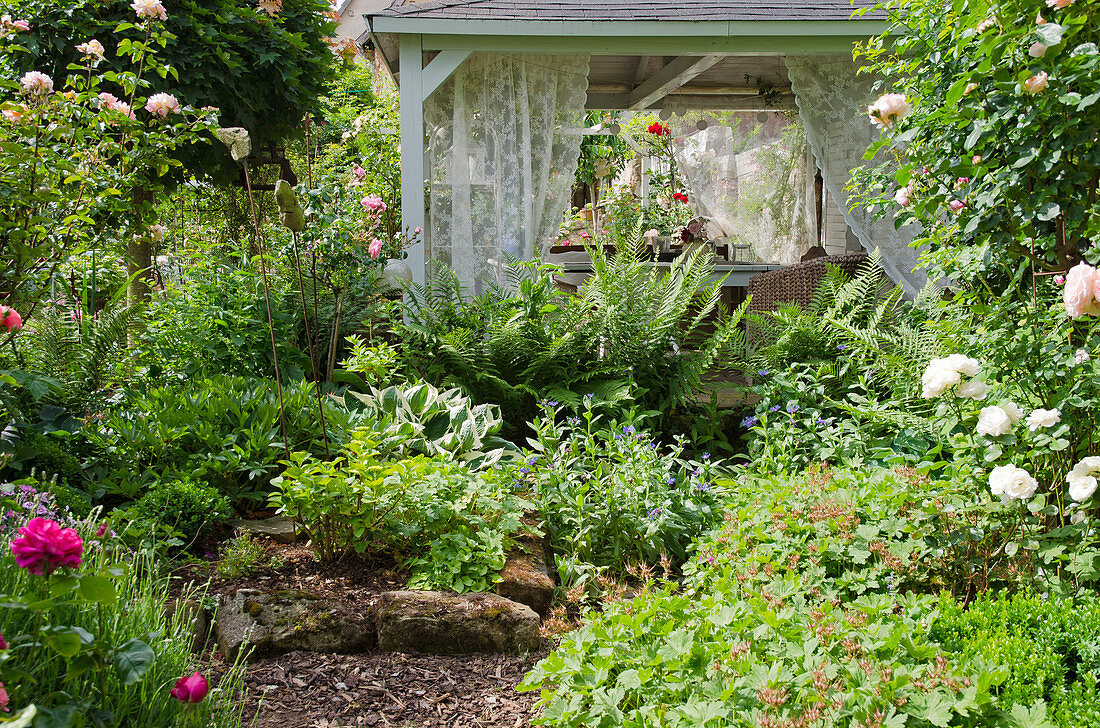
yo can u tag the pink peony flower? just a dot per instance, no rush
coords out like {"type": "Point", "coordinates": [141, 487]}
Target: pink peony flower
{"type": "Point", "coordinates": [92, 49]}
{"type": "Point", "coordinates": [888, 109]}
{"type": "Point", "coordinates": [1079, 295]}
{"type": "Point", "coordinates": [956, 205]}
{"type": "Point", "coordinates": [149, 9]}
{"type": "Point", "coordinates": [10, 319]}
{"type": "Point", "coordinates": [1037, 50]}
{"type": "Point", "coordinates": [36, 82]}
{"type": "Point", "coordinates": [902, 196]}
{"type": "Point", "coordinates": [375, 248]}
{"type": "Point", "coordinates": [1059, 4]}
{"type": "Point", "coordinates": [1036, 83]}
{"type": "Point", "coordinates": [374, 203]}
{"type": "Point", "coordinates": [162, 104]}
{"type": "Point", "coordinates": [190, 689]}
{"type": "Point", "coordinates": [44, 546]}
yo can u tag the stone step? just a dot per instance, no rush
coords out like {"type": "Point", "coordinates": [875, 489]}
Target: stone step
{"type": "Point", "coordinates": [454, 624]}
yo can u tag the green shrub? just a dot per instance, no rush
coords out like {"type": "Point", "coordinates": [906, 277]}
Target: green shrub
{"type": "Point", "coordinates": [188, 507]}
{"type": "Point", "coordinates": [610, 496]}
{"type": "Point", "coordinates": [1049, 646]}
{"type": "Point", "coordinates": [75, 501]}
{"type": "Point", "coordinates": [450, 525]}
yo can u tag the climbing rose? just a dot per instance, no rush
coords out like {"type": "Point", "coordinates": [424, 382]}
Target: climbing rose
{"type": "Point", "coordinates": [659, 129]}
{"type": "Point", "coordinates": [1011, 481]}
{"type": "Point", "coordinates": [149, 9]}
{"type": "Point", "coordinates": [190, 689]}
{"type": "Point", "coordinates": [36, 82]}
{"type": "Point", "coordinates": [162, 104]}
{"type": "Point", "coordinates": [44, 546]}
{"type": "Point", "coordinates": [993, 421]}
{"type": "Point", "coordinates": [1036, 83]}
{"type": "Point", "coordinates": [680, 197]}
{"type": "Point", "coordinates": [888, 109]}
{"type": "Point", "coordinates": [17, 114]}
{"type": "Point", "coordinates": [10, 319]}
{"type": "Point", "coordinates": [375, 248]}
{"type": "Point", "coordinates": [1079, 295]}
{"type": "Point", "coordinates": [1043, 418]}
{"type": "Point", "coordinates": [92, 49]}
{"type": "Point", "coordinates": [956, 205]}
{"type": "Point", "coordinates": [902, 196]}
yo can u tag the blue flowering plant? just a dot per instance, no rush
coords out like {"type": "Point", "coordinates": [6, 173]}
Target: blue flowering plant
{"type": "Point", "coordinates": [612, 496]}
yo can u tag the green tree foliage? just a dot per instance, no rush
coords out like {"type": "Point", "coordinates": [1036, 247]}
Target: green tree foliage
{"type": "Point", "coordinates": [263, 71]}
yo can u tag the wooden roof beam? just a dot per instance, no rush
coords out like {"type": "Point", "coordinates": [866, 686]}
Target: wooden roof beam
{"type": "Point", "coordinates": [671, 77]}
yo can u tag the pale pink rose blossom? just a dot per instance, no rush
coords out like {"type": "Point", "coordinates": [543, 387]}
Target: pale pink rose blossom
{"type": "Point", "coordinates": [375, 248]}
{"type": "Point", "coordinates": [162, 104]}
{"type": "Point", "coordinates": [1079, 295]}
{"type": "Point", "coordinates": [92, 49]}
{"type": "Point", "coordinates": [976, 159]}
{"type": "Point", "coordinates": [1059, 4]}
{"type": "Point", "coordinates": [373, 203]}
{"type": "Point", "coordinates": [961, 181]}
{"type": "Point", "coordinates": [418, 230]}
{"type": "Point", "coordinates": [1081, 356]}
{"type": "Point", "coordinates": [1037, 50]}
{"type": "Point", "coordinates": [8, 25]}
{"type": "Point", "coordinates": [1036, 83]}
{"type": "Point", "coordinates": [986, 24]}
{"type": "Point", "coordinates": [888, 109]}
{"type": "Point", "coordinates": [1059, 279]}
{"type": "Point", "coordinates": [149, 9]}
{"type": "Point", "coordinates": [956, 205]}
{"type": "Point", "coordinates": [36, 82]}
{"type": "Point", "coordinates": [902, 196]}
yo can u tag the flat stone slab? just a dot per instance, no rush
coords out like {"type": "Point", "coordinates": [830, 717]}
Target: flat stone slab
{"type": "Point", "coordinates": [274, 623]}
{"type": "Point", "coordinates": [526, 579]}
{"type": "Point", "coordinates": [442, 623]}
{"type": "Point", "coordinates": [277, 529]}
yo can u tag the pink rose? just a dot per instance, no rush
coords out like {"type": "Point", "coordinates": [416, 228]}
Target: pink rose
{"type": "Point", "coordinates": [44, 546]}
{"type": "Point", "coordinates": [888, 109]}
{"type": "Point", "coordinates": [1079, 295]}
{"type": "Point", "coordinates": [10, 319]}
{"type": "Point", "coordinates": [190, 689]}
{"type": "Point", "coordinates": [956, 205]}
{"type": "Point", "coordinates": [1036, 83]}
{"type": "Point", "coordinates": [418, 230]}
{"type": "Point", "coordinates": [162, 104]}
{"type": "Point", "coordinates": [3, 698]}
{"type": "Point", "coordinates": [1059, 279]}
{"type": "Point", "coordinates": [375, 248]}
{"type": "Point", "coordinates": [149, 9]}
{"type": "Point", "coordinates": [1037, 50]}
{"type": "Point", "coordinates": [374, 203]}
{"type": "Point", "coordinates": [36, 82]}
{"type": "Point", "coordinates": [92, 49]}
{"type": "Point", "coordinates": [902, 196]}
{"type": "Point", "coordinates": [3, 643]}
{"type": "Point", "coordinates": [976, 159]}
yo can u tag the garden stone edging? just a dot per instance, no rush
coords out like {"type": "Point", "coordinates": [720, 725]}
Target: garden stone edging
{"type": "Point", "coordinates": [454, 624]}
{"type": "Point", "coordinates": [280, 530]}
{"type": "Point", "coordinates": [273, 623]}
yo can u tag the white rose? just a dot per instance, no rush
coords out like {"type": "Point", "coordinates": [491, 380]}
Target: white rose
{"type": "Point", "coordinates": [1012, 482]}
{"type": "Point", "coordinates": [974, 389]}
{"type": "Point", "coordinates": [963, 364]}
{"type": "Point", "coordinates": [1077, 517]}
{"type": "Point", "coordinates": [993, 421]}
{"type": "Point", "coordinates": [1043, 418]}
{"type": "Point", "coordinates": [937, 379]}
{"type": "Point", "coordinates": [1081, 357]}
{"type": "Point", "coordinates": [1086, 467]}
{"type": "Point", "coordinates": [1081, 487]}
{"type": "Point", "coordinates": [1014, 412]}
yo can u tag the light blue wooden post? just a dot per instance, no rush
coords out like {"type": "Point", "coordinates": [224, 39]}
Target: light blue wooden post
{"type": "Point", "coordinates": [412, 149]}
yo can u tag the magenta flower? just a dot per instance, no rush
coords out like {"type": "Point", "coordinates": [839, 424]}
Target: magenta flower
{"type": "Point", "coordinates": [44, 546]}
{"type": "Point", "coordinates": [3, 698]}
{"type": "Point", "coordinates": [3, 643]}
{"type": "Point", "coordinates": [375, 248]}
{"type": "Point", "coordinates": [190, 689]}
{"type": "Point", "coordinates": [10, 319]}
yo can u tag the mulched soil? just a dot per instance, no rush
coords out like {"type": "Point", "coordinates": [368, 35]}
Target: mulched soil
{"type": "Point", "coordinates": [309, 690]}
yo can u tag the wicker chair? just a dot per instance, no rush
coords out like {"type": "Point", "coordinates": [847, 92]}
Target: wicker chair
{"type": "Point", "coordinates": [797, 283]}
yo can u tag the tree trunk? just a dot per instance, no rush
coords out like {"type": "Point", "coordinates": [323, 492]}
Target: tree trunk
{"type": "Point", "coordinates": [139, 249]}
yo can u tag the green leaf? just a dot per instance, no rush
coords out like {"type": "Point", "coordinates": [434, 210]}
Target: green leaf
{"type": "Point", "coordinates": [1035, 717]}
{"type": "Point", "coordinates": [1049, 211]}
{"type": "Point", "coordinates": [132, 660]}
{"type": "Point", "coordinates": [66, 644]}
{"type": "Point", "coordinates": [98, 589]}
{"type": "Point", "coordinates": [1050, 34]}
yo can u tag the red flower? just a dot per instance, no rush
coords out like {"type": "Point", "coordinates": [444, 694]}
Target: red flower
{"type": "Point", "coordinates": [3, 643]}
{"type": "Point", "coordinates": [659, 129]}
{"type": "Point", "coordinates": [10, 319]}
{"type": "Point", "coordinates": [190, 689]}
{"type": "Point", "coordinates": [680, 197]}
{"type": "Point", "coordinates": [44, 546]}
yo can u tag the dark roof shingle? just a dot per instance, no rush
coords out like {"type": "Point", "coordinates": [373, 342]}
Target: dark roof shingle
{"type": "Point", "coordinates": [611, 10]}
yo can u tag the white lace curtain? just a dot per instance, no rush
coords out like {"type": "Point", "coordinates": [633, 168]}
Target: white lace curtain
{"type": "Point", "coordinates": [504, 138]}
{"type": "Point", "coordinates": [832, 99]}
{"type": "Point", "coordinates": [752, 178]}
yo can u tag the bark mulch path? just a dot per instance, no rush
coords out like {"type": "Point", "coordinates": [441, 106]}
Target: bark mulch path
{"type": "Point", "coordinates": [308, 690]}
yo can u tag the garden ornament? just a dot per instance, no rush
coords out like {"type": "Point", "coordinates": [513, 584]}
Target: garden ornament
{"type": "Point", "coordinates": [237, 139]}
{"type": "Point", "coordinates": [290, 212]}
